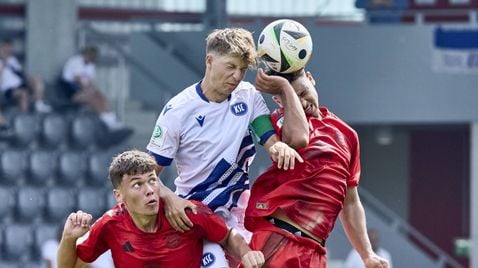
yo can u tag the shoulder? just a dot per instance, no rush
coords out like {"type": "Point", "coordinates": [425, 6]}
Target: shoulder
{"type": "Point", "coordinates": [245, 88]}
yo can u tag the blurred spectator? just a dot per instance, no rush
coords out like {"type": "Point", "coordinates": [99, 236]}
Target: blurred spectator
{"type": "Point", "coordinates": [50, 249]}
{"type": "Point", "coordinates": [14, 84]}
{"type": "Point", "coordinates": [353, 259]}
{"type": "Point", "coordinates": [78, 83]}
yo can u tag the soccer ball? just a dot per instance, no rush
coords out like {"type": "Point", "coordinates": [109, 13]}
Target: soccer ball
{"type": "Point", "coordinates": [285, 46]}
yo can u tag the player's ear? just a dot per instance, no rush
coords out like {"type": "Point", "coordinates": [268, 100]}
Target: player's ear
{"type": "Point", "coordinates": [118, 196]}
{"type": "Point", "coordinates": [310, 77]}
{"type": "Point", "coordinates": [209, 59]}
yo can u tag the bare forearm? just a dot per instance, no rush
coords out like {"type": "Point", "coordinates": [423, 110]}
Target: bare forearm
{"type": "Point", "coordinates": [235, 245]}
{"type": "Point", "coordinates": [295, 130]}
{"type": "Point", "coordinates": [66, 255]}
{"type": "Point", "coordinates": [352, 217]}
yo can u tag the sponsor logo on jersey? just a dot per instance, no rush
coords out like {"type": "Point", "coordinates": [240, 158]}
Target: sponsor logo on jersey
{"type": "Point", "coordinates": [208, 259]}
{"type": "Point", "coordinates": [200, 119]}
{"type": "Point", "coordinates": [158, 135]}
{"type": "Point", "coordinates": [167, 108]}
{"type": "Point", "coordinates": [239, 108]}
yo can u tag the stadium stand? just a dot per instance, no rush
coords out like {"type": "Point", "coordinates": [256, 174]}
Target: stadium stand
{"type": "Point", "coordinates": [60, 202]}
{"type": "Point", "coordinates": [29, 204]}
{"type": "Point", "coordinates": [92, 200]}
{"type": "Point", "coordinates": [41, 167]}
{"type": "Point", "coordinates": [18, 241]}
{"type": "Point", "coordinates": [53, 131]}
{"type": "Point", "coordinates": [13, 166]}
{"type": "Point", "coordinates": [71, 168]}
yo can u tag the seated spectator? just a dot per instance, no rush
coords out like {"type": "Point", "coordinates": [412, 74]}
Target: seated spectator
{"type": "Point", "coordinates": [14, 85]}
{"type": "Point", "coordinates": [78, 82]}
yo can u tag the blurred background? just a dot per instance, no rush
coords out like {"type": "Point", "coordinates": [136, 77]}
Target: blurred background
{"type": "Point", "coordinates": [403, 73]}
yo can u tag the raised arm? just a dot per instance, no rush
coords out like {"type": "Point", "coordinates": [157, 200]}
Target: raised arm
{"type": "Point", "coordinates": [295, 129]}
{"type": "Point", "coordinates": [352, 217]}
{"type": "Point", "coordinates": [76, 225]}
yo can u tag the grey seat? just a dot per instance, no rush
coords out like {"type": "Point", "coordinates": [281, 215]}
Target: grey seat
{"type": "Point", "coordinates": [6, 202]}
{"type": "Point", "coordinates": [60, 202]}
{"type": "Point", "coordinates": [25, 127]}
{"type": "Point", "coordinates": [29, 204]}
{"type": "Point", "coordinates": [13, 166]}
{"type": "Point", "coordinates": [93, 201]}
{"type": "Point", "coordinates": [41, 167]}
{"type": "Point", "coordinates": [54, 130]}
{"type": "Point", "coordinates": [44, 232]}
{"type": "Point", "coordinates": [98, 163]}
{"type": "Point", "coordinates": [18, 241]}
{"type": "Point", "coordinates": [83, 131]}
{"type": "Point", "coordinates": [71, 168]}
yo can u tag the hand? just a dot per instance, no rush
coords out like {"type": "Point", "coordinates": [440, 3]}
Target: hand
{"type": "Point", "coordinates": [284, 155]}
{"type": "Point", "coordinates": [253, 259]}
{"type": "Point", "coordinates": [175, 208]}
{"type": "Point", "coordinates": [77, 224]}
{"type": "Point", "coordinates": [376, 261]}
{"type": "Point", "coordinates": [271, 84]}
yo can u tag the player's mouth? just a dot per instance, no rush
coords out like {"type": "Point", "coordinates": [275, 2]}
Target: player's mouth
{"type": "Point", "coordinates": [152, 202]}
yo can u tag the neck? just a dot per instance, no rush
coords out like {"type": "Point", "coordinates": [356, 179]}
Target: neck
{"type": "Point", "coordinates": [147, 224]}
{"type": "Point", "coordinates": [210, 91]}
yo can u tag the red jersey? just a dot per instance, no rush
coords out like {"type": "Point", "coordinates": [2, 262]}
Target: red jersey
{"type": "Point", "coordinates": [313, 193]}
{"type": "Point", "coordinates": [131, 247]}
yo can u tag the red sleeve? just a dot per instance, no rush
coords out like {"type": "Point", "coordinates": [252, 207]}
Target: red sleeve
{"type": "Point", "coordinates": [354, 167]}
{"type": "Point", "coordinates": [277, 119]}
{"type": "Point", "coordinates": [93, 244]}
{"type": "Point", "coordinates": [213, 227]}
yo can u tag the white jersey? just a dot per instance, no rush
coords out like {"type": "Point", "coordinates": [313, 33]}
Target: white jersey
{"type": "Point", "coordinates": [211, 143]}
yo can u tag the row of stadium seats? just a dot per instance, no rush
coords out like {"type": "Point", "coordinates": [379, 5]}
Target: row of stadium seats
{"type": "Point", "coordinates": [78, 130]}
{"type": "Point", "coordinates": [49, 167]}
{"type": "Point", "coordinates": [52, 204]}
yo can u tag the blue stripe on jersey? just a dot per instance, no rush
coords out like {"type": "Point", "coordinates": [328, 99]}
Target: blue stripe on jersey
{"type": "Point", "coordinates": [161, 160]}
{"type": "Point", "coordinates": [222, 188]}
{"type": "Point", "coordinates": [246, 151]}
{"type": "Point", "coordinates": [266, 136]}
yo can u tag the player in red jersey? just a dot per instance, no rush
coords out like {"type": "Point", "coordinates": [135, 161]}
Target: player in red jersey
{"type": "Point", "coordinates": [292, 212]}
{"type": "Point", "coordinates": [136, 230]}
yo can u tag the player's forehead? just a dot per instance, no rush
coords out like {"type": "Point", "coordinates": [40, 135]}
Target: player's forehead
{"type": "Point", "coordinates": [138, 176]}
{"type": "Point", "coordinates": [233, 60]}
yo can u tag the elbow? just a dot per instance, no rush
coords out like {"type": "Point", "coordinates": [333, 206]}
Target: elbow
{"type": "Point", "coordinates": [297, 141]}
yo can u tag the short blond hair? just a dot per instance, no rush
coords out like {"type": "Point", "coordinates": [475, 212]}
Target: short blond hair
{"type": "Point", "coordinates": [236, 42]}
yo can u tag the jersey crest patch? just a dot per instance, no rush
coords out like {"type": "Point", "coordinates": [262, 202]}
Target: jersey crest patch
{"type": "Point", "coordinates": [159, 133]}
{"type": "Point", "coordinates": [263, 206]}
{"type": "Point", "coordinates": [208, 259]}
{"type": "Point", "coordinates": [239, 108]}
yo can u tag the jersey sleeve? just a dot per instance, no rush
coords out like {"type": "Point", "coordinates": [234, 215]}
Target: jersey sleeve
{"type": "Point", "coordinates": [91, 245]}
{"type": "Point", "coordinates": [354, 168]}
{"type": "Point", "coordinates": [213, 227]}
{"type": "Point", "coordinates": [164, 140]}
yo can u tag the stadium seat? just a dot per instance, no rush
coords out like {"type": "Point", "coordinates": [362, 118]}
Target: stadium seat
{"type": "Point", "coordinates": [83, 131]}
{"type": "Point", "coordinates": [43, 233]}
{"type": "Point", "coordinates": [25, 127]}
{"type": "Point", "coordinates": [60, 202]}
{"type": "Point", "coordinates": [98, 163]}
{"type": "Point", "coordinates": [13, 166]}
{"type": "Point", "coordinates": [92, 200]}
{"type": "Point", "coordinates": [18, 240]}
{"type": "Point", "coordinates": [71, 168]}
{"type": "Point", "coordinates": [41, 167]}
{"type": "Point", "coordinates": [29, 204]}
{"type": "Point", "coordinates": [9, 264]}
{"type": "Point", "coordinates": [53, 131]}
{"type": "Point", "coordinates": [6, 203]}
